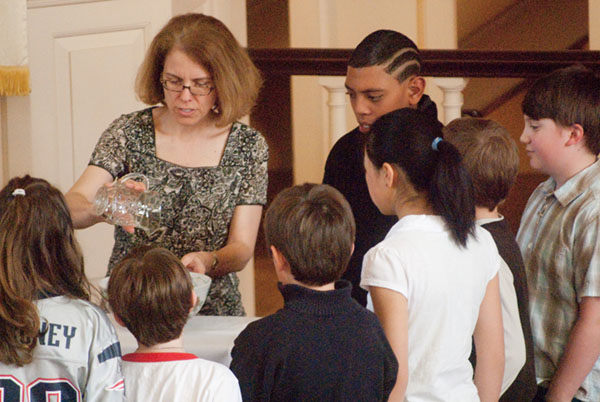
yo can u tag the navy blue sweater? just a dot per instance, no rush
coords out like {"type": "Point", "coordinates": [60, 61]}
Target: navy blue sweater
{"type": "Point", "coordinates": [322, 346]}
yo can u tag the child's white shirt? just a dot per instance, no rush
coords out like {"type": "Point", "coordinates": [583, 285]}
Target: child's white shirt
{"type": "Point", "coordinates": [444, 285]}
{"type": "Point", "coordinates": [182, 377]}
{"type": "Point", "coordinates": [77, 356]}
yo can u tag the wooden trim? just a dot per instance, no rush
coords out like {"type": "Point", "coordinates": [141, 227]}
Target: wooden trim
{"type": "Point", "coordinates": [579, 44]}
{"type": "Point", "coordinates": [436, 63]}
{"type": "Point", "coordinates": [505, 97]}
{"type": "Point", "coordinates": [301, 61]}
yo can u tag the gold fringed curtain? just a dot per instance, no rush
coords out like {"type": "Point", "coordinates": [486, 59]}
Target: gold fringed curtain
{"type": "Point", "coordinates": [14, 72]}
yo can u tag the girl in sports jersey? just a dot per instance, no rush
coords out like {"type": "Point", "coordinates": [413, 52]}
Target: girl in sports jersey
{"type": "Point", "coordinates": [54, 341]}
{"type": "Point", "coordinates": [433, 279]}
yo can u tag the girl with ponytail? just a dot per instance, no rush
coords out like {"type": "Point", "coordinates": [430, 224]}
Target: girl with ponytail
{"type": "Point", "coordinates": [433, 280]}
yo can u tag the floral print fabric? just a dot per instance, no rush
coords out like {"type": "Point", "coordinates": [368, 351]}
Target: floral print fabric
{"type": "Point", "coordinates": [197, 202]}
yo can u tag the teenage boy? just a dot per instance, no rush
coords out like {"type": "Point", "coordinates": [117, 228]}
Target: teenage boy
{"type": "Point", "coordinates": [491, 157]}
{"type": "Point", "coordinates": [559, 233]}
{"type": "Point", "coordinates": [151, 293]}
{"type": "Point", "coordinates": [323, 345]}
{"type": "Point", "coordinates": [382, 76]}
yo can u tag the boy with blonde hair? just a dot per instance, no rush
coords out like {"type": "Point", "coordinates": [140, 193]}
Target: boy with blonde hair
{"type": "Point", "coordinates": [491, 157]}
{"type": "Point", "coordinates": [559, 233]}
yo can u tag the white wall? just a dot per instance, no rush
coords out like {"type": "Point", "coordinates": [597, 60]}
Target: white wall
{"type": "Point", "coordinates": [437, 30]}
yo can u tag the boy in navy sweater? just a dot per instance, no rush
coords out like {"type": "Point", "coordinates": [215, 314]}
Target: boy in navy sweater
{"type": "Point", "coordinates": [322, 345]}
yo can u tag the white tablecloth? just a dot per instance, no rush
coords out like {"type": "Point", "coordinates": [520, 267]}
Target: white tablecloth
{"type": "Point", "coordinates": [208, 337]}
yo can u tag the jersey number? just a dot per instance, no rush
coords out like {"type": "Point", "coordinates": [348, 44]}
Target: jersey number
{"type": "Point", "coordinates": [40, 390]}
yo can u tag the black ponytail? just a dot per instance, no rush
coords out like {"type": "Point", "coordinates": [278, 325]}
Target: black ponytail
{"type": "Point", "coordinates": [412, 141]}
{"type": "Point", "coordinates": [451, 193]}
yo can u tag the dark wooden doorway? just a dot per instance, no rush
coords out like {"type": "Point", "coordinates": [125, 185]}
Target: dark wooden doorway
{"type": "Point", "coordinates": [268, 27]}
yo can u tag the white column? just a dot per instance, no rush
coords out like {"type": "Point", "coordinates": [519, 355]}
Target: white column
{"type": "Point", "coordinates": [336, 102]}
{"type": "Point", "coordinates": [453, 96]}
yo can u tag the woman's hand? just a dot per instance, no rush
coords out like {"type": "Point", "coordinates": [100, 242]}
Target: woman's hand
{"type": "Point", "coordinates": [80, 197]}
{"type": "Point", "coordinates": [199, 262]}
{"type": "Point", "coordinates": [236, 253]}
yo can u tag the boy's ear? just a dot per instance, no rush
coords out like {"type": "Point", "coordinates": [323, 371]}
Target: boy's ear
{"type": "Point", "coordinates": [118, 319]}
{"type": "Point", "coordinates": [279, 260]}
{"type": "Point", "coordinates": [282, 266]}
{"type": "Point", "coordinates": [416, 88]}
{"type": "Point", "coordinates": [575, 134]}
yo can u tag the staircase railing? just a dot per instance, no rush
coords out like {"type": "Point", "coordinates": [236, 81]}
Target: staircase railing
{"type": "Point", "coordinates": [450, 67]}
{"type": "Point", "coordinates": [436, 63]}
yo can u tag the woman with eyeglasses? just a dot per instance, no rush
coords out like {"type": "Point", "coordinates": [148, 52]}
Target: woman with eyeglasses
{"type": "Point", "coordinates": [210, 169]}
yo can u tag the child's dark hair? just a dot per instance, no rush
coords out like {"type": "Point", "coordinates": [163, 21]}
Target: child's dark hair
{"type": "Point", "coordinates": [39, 257]}
{"type": "Point", "coordinates": [413, 142]}
{"type": "Point", "coordinates": [568, 96]}
{"type": "Point", "coordinates": [313, 227]}
{"type": "Point", "coordinates": [151, 291]}
{"type": "Point", "coordinates": [399, 55]}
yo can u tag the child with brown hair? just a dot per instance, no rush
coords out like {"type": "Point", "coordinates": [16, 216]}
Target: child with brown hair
{"type": "Point", "coordinates": [323, 345]}
{"type": "Point", "coordinates": [559, 233]}
{"type": "Point", "coordinates": [53, 340]}
{"type": "Point", "coordinates": [491, 157]}
{"type": "Point", "coordinates": [151, 293]}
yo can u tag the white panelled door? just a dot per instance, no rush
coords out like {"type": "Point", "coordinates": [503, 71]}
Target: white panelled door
{"type": "Point", "coordinates": [83, 55]}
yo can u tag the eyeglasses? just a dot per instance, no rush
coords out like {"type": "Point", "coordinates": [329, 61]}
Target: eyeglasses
{"type": "Point", "coordinates": [197, 88]}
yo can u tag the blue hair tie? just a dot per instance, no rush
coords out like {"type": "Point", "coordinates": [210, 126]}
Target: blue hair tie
{"type": "Point", "coordinates": [435, 143]}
